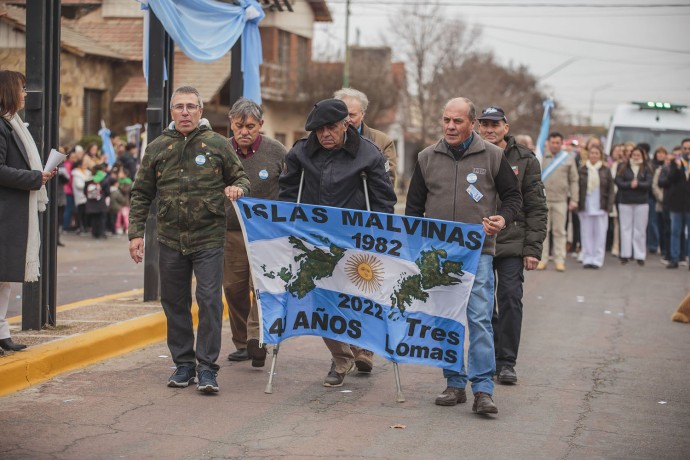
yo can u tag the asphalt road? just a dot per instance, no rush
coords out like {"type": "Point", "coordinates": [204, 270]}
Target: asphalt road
{"type": "Point", "coordinates": [603, 373]}
{"type": "Point", "coordinates": [89, 268]}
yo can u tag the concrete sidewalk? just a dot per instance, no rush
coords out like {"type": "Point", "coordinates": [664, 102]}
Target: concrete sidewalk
{"type": "Point", "coordinates": [88, 331]}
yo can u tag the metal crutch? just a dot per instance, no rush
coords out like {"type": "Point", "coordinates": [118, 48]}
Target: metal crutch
{"type": "Point", "coordinates": [276, 349]}
{"type": "Point", "coordinates": [399, 398]}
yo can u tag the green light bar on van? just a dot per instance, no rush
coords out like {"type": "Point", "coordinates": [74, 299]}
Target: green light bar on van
{"type": "Point", "coordinates": [656, 105]}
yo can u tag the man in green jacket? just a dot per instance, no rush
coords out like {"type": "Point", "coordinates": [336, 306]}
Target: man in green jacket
{"type": "Point", "coordinates": [192, 170]}
{"type": "Point", "coordinates": [519, 246]}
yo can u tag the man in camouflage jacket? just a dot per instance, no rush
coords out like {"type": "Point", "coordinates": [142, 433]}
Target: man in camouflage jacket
{"type": "Point", "coordinates": [192, 170]}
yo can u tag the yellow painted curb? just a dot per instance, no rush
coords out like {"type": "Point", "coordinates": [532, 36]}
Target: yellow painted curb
{"type": "Point", "coordinates": [83, 303]}
{"type": "Point", "coordinates": [43, 362]}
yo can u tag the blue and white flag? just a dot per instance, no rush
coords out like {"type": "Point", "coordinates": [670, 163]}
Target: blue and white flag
{"type": "Point", "coordinates": [544, 130]}
{"type": "Point", "coordinates": [395, 285]}
{"type": "Point", "coordinates": [107, 145]}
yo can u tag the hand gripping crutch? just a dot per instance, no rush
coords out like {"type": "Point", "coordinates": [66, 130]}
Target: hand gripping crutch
{"type": "Point", "coordinates": [399, 398]}
{"type": "Point", "coordinates": [276, 349]}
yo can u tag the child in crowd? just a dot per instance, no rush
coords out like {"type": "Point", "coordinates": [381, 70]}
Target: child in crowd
{"type": "Point", "coordinates": [119, 204]}
{"type": "Point", "coordinates": [97, 200]}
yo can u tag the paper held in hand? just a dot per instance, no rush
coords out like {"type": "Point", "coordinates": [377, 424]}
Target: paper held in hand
{"type": "Point", "coordinates": [55, 159]}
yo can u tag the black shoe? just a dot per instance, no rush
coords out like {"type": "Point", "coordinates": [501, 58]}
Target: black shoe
{"type": "Point", "coordinates": [239, 355]}
{"type": "Point", "coordinates": [507, 375]}
{"type": "Point", "coordinates": [587, 266]}
{"type": "Point", "coordinates": [8, 345]}
{"type": "Point", "coordinates": [640, 263]}
{"type": "Point", "coordinates": [256, 353]}
{"type": "Point", "coordinates": [672, 265]}
{"type": "Point", "coordinates": [483, 404]}
{"type": "Point", "coordinates": [451, 396]}
{"type": "Point", "coordinates": [207, 382]}
{"type": "Point", "coordinates": [1, 352]}
{"type": "Point", "coordinates": [182, 377]}
{"type": "Point", "coordinates": [624, 261]}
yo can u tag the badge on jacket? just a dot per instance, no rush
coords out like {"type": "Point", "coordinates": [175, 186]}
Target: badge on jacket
{"type": "Point", "coordinates": [474, 193]}
{"type": "Point", "coordinates": [200, 159]}
{"type": "Point", "coordinates": [515, 170]}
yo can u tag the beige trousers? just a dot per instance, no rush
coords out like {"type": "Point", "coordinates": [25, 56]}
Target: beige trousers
{"type": "Point", "coordinates": [555, 226]}
{"type": "Point", "coordinates": [238, 287]}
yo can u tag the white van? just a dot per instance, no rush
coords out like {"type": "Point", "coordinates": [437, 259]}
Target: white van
{"type": "Point", "coordinates": [656, 123]}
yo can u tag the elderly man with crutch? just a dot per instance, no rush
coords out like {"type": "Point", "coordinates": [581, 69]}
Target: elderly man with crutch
{"type": "Point", "coordinates": [327, 168]}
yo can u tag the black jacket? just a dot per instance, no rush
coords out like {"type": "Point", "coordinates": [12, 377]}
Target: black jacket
{"type": "Point", "coordinates": [678, 189]}
{"type": "Point", "coordinates": [638, 195]}
{"type": "Point", "coordinates": [525, 235]}
{"type": "Point", "coordinates": [17, 179]}
{"type": "Point", "coordinates": [333, 177]}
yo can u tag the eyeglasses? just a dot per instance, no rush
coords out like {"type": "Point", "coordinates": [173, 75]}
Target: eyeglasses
{"type": "Point", "coordinates": [191, 108]}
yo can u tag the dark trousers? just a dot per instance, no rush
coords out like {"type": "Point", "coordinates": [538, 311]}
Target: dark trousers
{"type": "Point", "coordinates": [97, 222]}
{"type": "Point", "coordinates": [507, 317]}
{"type": "Point", "coordinates": [176, 297]}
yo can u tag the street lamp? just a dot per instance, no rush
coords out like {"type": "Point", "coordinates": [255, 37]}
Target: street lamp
{"type": "Point", "coordinates": [591, 99]}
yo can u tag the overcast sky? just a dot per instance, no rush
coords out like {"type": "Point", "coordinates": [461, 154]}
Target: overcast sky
{"type": "Point", "coordinates": [653, 64]}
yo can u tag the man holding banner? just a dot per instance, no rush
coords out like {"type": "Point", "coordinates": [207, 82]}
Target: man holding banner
{"type": "Point", "coordinates": [461, 178]}
{"type": "Point", "coordinates": [561, 182]}
{"type": "Point", "coordinates": [328, 168]}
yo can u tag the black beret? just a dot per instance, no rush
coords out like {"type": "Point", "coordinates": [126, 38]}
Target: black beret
{"type": "Point", "coordinates": [326, 112]}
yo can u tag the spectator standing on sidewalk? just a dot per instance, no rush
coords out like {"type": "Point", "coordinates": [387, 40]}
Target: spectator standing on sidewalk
{"type": "Point", "coordinates": [518, 246]}
{"type": "Point", "coordinates": [262, 159]}
{"type": "Point", "coordinates": [191, 170]}
{"type": "Point", "coordinates": [634, 181]}
{"type": "Point", "coordinates": [595, 202]}
{"type": "Point", "coordinates": [559, 174]}
{"type": "Point", "coordinates": [461, 178]}
{"type": "Point", "coordinates": [679, 204]}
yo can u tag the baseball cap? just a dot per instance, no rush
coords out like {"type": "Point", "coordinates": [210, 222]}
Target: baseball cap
{"type": "Point", "coordinates": [493, 113]}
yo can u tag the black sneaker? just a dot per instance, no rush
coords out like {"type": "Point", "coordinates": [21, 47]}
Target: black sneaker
{"type": "Point", "coordinates": [207, 382]}
{"type": "Point", "coordinates": [451, 396]}
{"type": "Point", "coordinates": [182, 377]}
{"type": "Point", "coordinates": [672, 265]}
{"type": "Point", "coordinates": [507, 375]}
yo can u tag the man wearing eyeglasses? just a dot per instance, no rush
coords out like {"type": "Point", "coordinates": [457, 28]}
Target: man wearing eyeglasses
{"type": "Point", "coordinates": [192, 170]}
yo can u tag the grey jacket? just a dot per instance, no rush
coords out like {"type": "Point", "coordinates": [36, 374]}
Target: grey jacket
{"type": "Point", "coordinates": [439, 184]}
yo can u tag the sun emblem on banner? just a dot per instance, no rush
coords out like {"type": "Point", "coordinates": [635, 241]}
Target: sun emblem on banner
{"type": "Point", "coordinates": [365, 271]}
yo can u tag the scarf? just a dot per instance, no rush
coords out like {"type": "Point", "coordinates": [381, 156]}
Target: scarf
{"type": "Point", "coordinates": [635, 166]}
{"type": "Point", "coordinates": [38, 199]}
{"type": "Point", "coordinates": [593, 181]}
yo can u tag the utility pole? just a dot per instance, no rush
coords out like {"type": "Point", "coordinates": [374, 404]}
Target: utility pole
{"type": "Point", "coordinates": [346, 67]}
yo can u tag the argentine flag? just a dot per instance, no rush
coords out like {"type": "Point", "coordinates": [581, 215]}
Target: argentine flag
{"type": "Point", "coordinates": [395, 285]}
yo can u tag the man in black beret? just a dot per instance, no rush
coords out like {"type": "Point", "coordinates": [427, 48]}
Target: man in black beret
{"type": "Point", "coordinates": [333, 158]}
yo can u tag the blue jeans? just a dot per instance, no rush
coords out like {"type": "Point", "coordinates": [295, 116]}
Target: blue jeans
{"type": "Point", "coordinates": [482, 359]}
{"type": "Point", "coordinates": [680, 221]}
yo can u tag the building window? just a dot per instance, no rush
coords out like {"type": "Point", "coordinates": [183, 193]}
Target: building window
{"type": "Point", "coordinates": [283, 48]}
{"type": "Point", "coordinates": [281, 137]}
{"type": "Point", "coordinates": [92, 110]}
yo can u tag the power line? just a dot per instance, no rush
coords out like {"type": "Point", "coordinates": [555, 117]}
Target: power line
{"type": "Point", "coordinates": [516, 4]}
{"type": "Point", "coordinates": [588, 40]}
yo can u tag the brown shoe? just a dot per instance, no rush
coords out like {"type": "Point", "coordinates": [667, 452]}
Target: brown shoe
{"type": "Point", "coordinates": [541, 266]}
{"type": "Point", "coordinates": [364, 361]}
{"type": "Point", "coordinates": [451, 396]}
{"type": "Point", "coordinates": [483, 404]}
{"type": "Point", "coordinates": [256, 353]}
{"type": "Point", "coordinates": [560, 267]}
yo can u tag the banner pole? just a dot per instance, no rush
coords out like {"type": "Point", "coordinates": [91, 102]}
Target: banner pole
{"type": "Point", "coordinates": [400, 398]}
{"type": "Point", "coordinates": [276, 349]}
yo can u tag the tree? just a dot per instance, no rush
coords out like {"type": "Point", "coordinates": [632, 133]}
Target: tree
{"type": "Point", "coordinates": [430, 43]}
{"type": "Point", "coordinates": [486, 83]}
